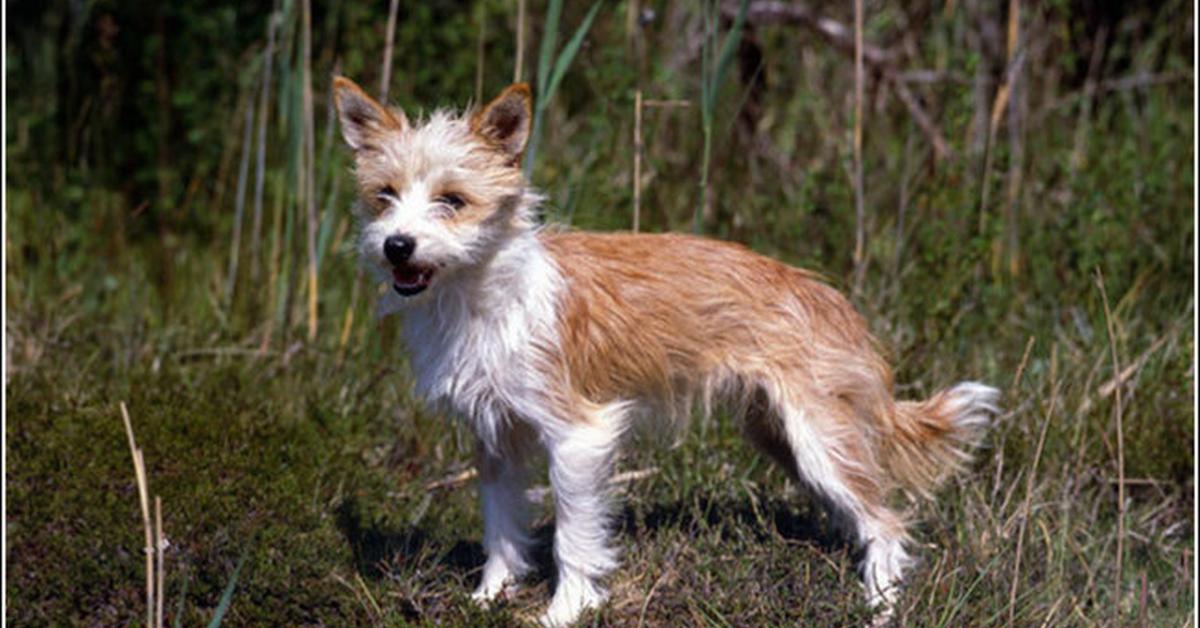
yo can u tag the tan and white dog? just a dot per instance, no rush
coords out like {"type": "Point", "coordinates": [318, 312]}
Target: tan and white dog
{"type": "Point", "coordinates": [560, 341]}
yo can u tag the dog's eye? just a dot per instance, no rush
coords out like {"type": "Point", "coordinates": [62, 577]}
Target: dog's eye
{"type": "Point", "coordinates": [387, 193]}
{"type": "Point", "coordinates": [454, 201]}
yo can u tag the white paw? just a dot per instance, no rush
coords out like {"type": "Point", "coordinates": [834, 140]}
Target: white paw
{"type": "Point", "coordinates": [572, 597]}
{"type": "Point", "coordinates": [498, 579]}
{"type": "Point", "coordinates": [882, 619]}
{"type": "Point", "coordinates": [489, 592]}
{"type": "Point", "coordinates": [483, 598]}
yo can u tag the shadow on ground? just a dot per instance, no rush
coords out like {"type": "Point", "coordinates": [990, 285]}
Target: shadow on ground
{"type": "Point", "coordinates": [375, 546]}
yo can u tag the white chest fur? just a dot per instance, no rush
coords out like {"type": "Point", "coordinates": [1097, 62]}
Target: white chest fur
{"type": "Point", "coordinates": [474, 341]}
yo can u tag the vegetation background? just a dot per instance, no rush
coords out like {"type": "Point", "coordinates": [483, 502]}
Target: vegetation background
{"type": "Point", "coordinates": [177, 236]}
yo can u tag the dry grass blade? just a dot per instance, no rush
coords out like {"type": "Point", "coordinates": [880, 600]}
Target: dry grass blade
{"type": "Point", "coordinates": [466, 475]}
{"type": "Point", "coordinates": [348, 319]}
{"type": "Point", "coordinates": [1009, 246]}
{"type": "Point", "coordinates": [370, 598]}
{"type": "Point", "coordinates": [261, 158]}
{"type": "Point", "coordinates": [457, 479]}
{"type": "Point", "coordinates": [309, 149]}
{"type": "Point", "coordinates": [1000, 105]}
{"type": "Point", "coordinates": [632, 476]}
{"type": "Point", "coordinates": [240, 205]}
{"type": "Point", "coordinates": [160, 546]}
{"type": "Point", "coordinates": [1028, 503]}
{"type": "Point", "coordinates": [637, 159]}
{"type": "Point", "coordinates": [481, 23]}
{"type": "Point", "coordinates": [518, 67]}
{"type": "Point", "coordinates": [1117, 411]}
{"type": "Point", "coordinates": [860, 230]}
{"type": "Point", "coordinates": [1131, 370]}
{"type": "Point", "coordinates": [385, 78]}
{"type": "Point", "coordinates": [1024, 362]}
{"type": "Point", "coordinates": [650, 596]}
{"type": "Point", "coordinates": [648, 103]}
{"type": "Point", "coordinates": [139, 468]}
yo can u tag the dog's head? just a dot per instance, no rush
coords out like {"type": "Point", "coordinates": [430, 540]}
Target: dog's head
{"type": "Point", "coordinates": [439, 196]}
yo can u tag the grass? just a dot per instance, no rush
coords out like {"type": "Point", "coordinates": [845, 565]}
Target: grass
{"type": "Point", "coordinates": [310, 461]}
{"type": "Point", "coordinates": [317, 473]}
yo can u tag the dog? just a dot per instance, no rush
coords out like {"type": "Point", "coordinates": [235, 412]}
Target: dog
{"type": "Point", "coordinates": [555, 340]}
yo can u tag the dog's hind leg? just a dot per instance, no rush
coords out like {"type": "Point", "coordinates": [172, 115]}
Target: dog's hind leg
{"type": "Point", "coordinates": [502, 482]}
{"type": "Point", "coordinates": [834, 458]}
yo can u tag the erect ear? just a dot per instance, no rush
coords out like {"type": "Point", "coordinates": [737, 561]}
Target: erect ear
{"type": "Point", "coordinates": [504, 122]}
{"type": "Point", "coordinates": [363, 118]}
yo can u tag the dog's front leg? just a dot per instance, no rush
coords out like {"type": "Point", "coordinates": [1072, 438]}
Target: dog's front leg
{"type": "Point", "coordinates": [502, 481]}
{"type": "Point", "coordinates": [581, 458]}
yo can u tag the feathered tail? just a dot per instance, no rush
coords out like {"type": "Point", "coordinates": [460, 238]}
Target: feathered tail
{"type": "Point", "coordinates": [934, 438]}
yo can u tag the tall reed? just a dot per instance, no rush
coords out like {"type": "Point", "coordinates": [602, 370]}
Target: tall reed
{"type": "Point", "coordinates": [549, 78]}
{"type": "Point", "coordinates": [260, 165]}
{"type": "Point", "coordinates": [713, 65]}
{"type": "Point", "coordinates": [309, 168]}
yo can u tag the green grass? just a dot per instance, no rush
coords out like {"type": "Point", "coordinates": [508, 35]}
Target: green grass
{"type": "Point", "coordinates": [317, 472]}
{"type": "Point", "coordinates": [313, 461]}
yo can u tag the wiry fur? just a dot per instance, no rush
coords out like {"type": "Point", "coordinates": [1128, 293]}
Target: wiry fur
{"type": "Point", "coordinates": [560, 340]}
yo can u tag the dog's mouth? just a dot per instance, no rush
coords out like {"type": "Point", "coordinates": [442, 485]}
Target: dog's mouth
{"type": "Point", "coordinates": [411, 279]}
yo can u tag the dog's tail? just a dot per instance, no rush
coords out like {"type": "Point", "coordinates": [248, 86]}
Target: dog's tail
{"type": "Point", "coordinates": [934, 438]}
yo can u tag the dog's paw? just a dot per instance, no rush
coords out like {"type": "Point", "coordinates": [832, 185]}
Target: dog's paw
{"type": "Point", "coordinates": [571, 599]}
{"type": "Point", "coordinates": [499, 579]}
{"type": "Point", "coordinates": [883, 618]}
{"type": "Point", "coordinates": [489, 593]}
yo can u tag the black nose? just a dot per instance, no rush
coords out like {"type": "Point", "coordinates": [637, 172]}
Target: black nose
{"type": "Point", "coordinates": [398, 248]}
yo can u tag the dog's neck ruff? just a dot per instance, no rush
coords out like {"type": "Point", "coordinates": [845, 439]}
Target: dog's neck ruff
{"type": "Point", "coordinates": [475, 340]}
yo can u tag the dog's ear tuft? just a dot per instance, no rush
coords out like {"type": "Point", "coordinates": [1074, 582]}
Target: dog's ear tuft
{"type": "Point", "coordinates": [363, 118]}
{"type": "Point", "coordinates": [504, 122]}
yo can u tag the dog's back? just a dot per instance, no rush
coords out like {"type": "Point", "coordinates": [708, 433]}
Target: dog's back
{"type": "Point", "coordinates": [683, 318]}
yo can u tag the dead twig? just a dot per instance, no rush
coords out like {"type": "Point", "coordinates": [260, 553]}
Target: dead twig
{"type": "Point", "coordinates": [222, 351]}
{"type": "Point", "coordinates": [665, 104]}
{"type": "Point", "coordinates": [941, 149]}
{"type": "Point", "coordinates": [536, 493]}
{"type": "Point", "coordinates": [455, 480]}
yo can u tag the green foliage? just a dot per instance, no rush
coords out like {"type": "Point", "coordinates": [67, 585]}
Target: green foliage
{"type": "Point", "coordinates": [227, 595]}
{"type": "Point", "coordinates": [548, 80]}
{"type": "Point", "coordinates": [712, 74]}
